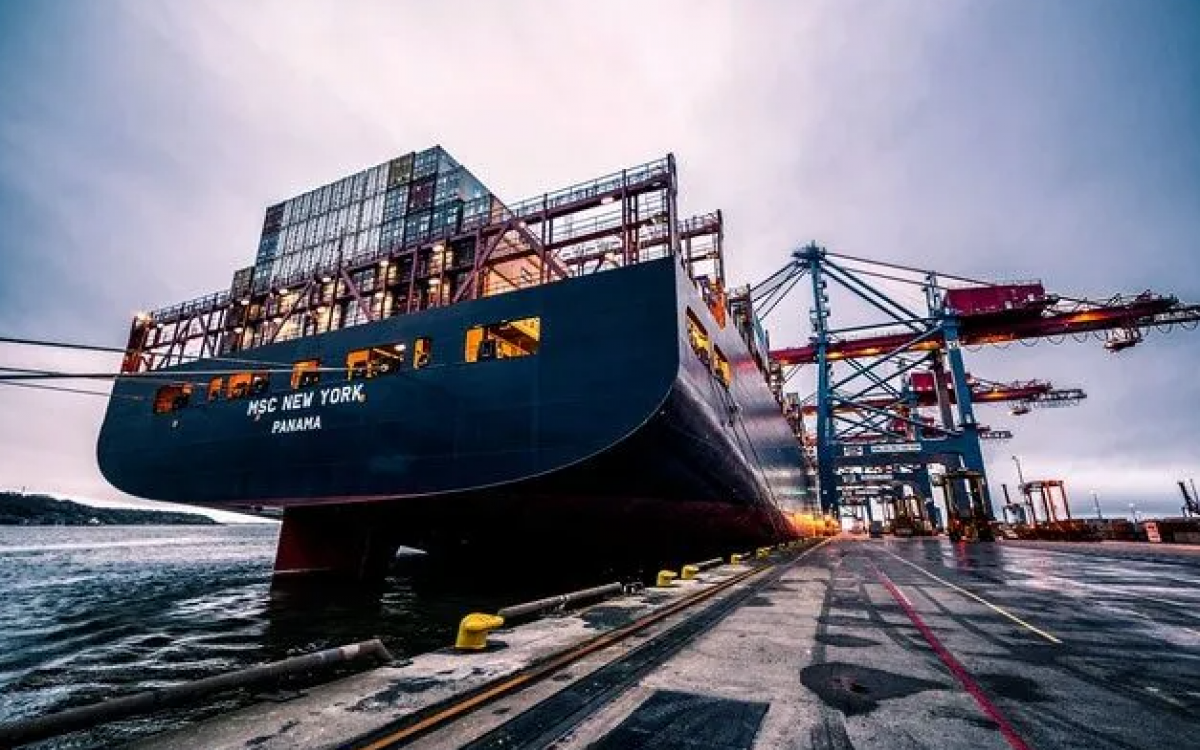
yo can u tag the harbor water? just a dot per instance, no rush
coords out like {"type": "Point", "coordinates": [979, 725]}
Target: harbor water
{"type": "Point", "coordinates": [92, 613]}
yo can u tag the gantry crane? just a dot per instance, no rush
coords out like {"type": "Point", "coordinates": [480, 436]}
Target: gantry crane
{"type": "Point", "coordinates": [918, 391]}
{"type": "Point", "coordinates": [859, 367]}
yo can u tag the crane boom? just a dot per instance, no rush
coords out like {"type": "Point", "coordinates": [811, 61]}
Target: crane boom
{"type": "Point", "coordinates": [1029, 321]}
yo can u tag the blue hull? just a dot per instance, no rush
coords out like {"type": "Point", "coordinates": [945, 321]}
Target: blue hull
{"type": "Point", "coordinates": [615, 431]}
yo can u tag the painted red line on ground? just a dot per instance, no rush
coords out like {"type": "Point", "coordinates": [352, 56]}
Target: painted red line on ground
{"type": "Point", "coordinates": [954, 665]}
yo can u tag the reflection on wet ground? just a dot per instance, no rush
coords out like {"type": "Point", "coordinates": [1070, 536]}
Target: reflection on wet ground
{"type": "Point", "coordinates": [1074, 648]}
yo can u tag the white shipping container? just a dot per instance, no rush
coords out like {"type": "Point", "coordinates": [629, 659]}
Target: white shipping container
{"type": "Point", "coordinates": [278, 267]}
{"type": "Point", "coordinates": [358, 212]}
{"type": "Point", "coordinates": [377, 179]}
{"type": "Point", "coordinates": [375, 215]}
{"type": "Point", "coordinates": [305, 207]}
{"type": "Point", "coordinates": [287, 239]}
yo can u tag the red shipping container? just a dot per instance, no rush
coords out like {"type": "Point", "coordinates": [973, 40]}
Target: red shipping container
{"type": "Point", "coordinates": [922, 382]}
{"type": "Point", "coordinates": [990, 299]}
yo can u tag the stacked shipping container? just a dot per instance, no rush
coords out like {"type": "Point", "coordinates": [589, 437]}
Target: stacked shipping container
{"type": "Point", "coordinates": [409, 200]}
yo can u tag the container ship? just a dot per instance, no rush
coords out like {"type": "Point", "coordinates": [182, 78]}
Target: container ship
{"type": "Point", "coordinates": [412, 362]}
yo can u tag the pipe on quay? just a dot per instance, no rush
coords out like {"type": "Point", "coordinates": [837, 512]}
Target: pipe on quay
{"type": "Point", "coordinates": [558, 602]}
{"type": "Point", "coordinates": [474, 628]}
{"type": "Point", "coordinates": [690, 571]}
{"type": "Point", "coordinates": [85, 717]}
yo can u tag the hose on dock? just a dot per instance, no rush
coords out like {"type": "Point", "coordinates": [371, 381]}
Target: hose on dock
{"type": "Point", "coordinates": [85, 717]}
{"type": "Point", "coordinates": [474, 628]}
{"type": "Point", "coordinates": [560, 601]}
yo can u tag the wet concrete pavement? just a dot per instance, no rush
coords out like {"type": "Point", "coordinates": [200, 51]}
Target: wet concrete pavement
{"type": "Point", "coordinates": [1066, 648]}
{"type": "Point", "coordinates": [854, 644]}
{"type": "Point", "coordinates": [904, 644]}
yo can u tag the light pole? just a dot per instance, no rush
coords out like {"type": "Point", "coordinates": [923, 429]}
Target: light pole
{"type": "Point", "coordinates": [1096, 502]}
{"type": "Point", "coordinates": [1133, 510]}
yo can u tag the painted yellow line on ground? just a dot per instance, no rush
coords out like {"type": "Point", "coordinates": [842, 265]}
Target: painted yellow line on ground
{"type": "Point", "coordinates": [999, 610]}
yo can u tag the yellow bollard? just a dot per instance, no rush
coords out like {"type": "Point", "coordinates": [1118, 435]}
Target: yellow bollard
{"type": "Point", "coordinates": [763, 552]}
{"type": "Point", "coordinates": [474, 629]}
{"type": "Point", "coordinates": [735, 559]}
{"type": "Point", "coordinates": [689, 572]}
{"type": "Point", "coordinates": [665, 578]}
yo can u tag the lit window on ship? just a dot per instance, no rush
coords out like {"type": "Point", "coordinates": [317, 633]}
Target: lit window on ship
{"type": "Point", "coordinates": [505, 340]}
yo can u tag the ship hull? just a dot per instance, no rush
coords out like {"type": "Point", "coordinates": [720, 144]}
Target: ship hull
{"type": "Point", "coordinates": [614, 439]}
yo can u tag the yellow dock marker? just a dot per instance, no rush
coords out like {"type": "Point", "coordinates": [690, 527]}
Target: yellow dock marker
{"type": "Point", "coordinates": [981, 600]}
{"type": "Point", "coordinates": [473, 631]}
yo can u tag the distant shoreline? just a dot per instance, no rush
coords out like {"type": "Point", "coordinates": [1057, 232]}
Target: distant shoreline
{"type": "Point", "coordinates": [17, 509]}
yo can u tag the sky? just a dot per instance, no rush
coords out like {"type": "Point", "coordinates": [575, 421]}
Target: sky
{"type": "Point", "coordinates": [141, 141]}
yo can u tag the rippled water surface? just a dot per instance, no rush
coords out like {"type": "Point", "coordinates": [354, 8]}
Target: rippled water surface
{"type": "Point", "coordinates": [89, 613]}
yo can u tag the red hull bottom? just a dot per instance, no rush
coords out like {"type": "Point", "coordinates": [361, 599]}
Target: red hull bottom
{"type": "Point", "coordinates": [496, 534]}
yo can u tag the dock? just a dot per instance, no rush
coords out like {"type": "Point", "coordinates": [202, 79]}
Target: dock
{"type": "Point", "coordinates": [853, 643]}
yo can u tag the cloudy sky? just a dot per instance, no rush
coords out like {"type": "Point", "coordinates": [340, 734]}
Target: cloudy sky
{"type": "Point", "coordinates": [140, 142]}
